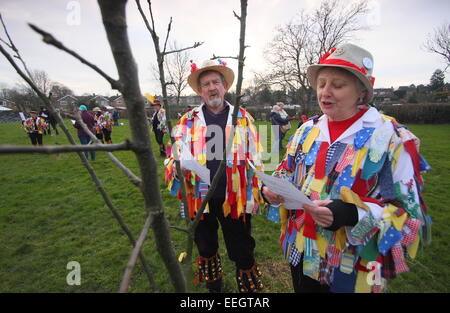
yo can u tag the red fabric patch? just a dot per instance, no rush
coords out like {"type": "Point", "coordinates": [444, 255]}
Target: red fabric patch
{"type": "Point", "coordinates": [310, 227]}
{"type": "Point", "coordinates": [410, 146]}
{"type": "Point", "coordinates": [321, 160]}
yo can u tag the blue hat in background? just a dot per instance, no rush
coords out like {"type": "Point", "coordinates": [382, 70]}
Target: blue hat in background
{"type": "Point", "coordinates": [82, 108]}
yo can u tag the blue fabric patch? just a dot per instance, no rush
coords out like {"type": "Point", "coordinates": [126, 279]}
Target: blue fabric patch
{"type": "Point", "coordinates": [390, 238]}
{"type": "Point", "coordinates": [362, 136]}
{"type": "Point", "coordinates": [175, 187]}
{"type": "Point", "coordinates": [371, 168]}
{"type": "Point", "coordinates": [346, 179]}
{"type": "Point", "coordinates": [189, 123]}
{"type": "Point", "coordinates": [292, 236]}
{"type": "Point", "coordinates": [424, 166]}
{"type": "Point", "coordinates": [305, 134]}
{"type": "Point", "coordinates": [386, 181]}
{"type": "Point", "coordinates": [273, 214]}
{"type": "Point", "coordinates": [312, 154]}
{"type": "Point", "coordinates": [290, 159]}
{"type": "Point", "coordinates": [333, 154]}
{"type": "Point", "coordinates": [343, 283]}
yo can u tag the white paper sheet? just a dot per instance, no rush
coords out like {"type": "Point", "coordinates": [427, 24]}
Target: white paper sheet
{"type": "Point", "coordinates": [22, 116]}
{"type": "Point", "coordinates": [294, 198]}
{"type": "Point", "coordinates": [188, 162]}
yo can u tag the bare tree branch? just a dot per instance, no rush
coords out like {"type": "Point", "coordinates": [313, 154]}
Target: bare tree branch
{"type": "Point", "coordinates": [179, 229]}
{"type": "Point", "coordinates": [215, 181]}
{"type": "Point", "coordinates": [7, 149]}
{"type": "Point", "coordinates": [219, 57]}
{"type": "Point", "coordinates": [167, 36]}
{"type": "Point", "coordinates": [134, 255]}
{"type": "Point", "coordinates": [49, 39]}
{"type": "Point", "coordinates": [131, 176]}
{"type": "Point", "coordinates": [85, 162]}
{"type": "Point", "coordinates": [195, 45]}
{"type": "Point", "coordinates": [237, 16]}
{"type": "Point", "coordinates": [114, 17]}
{"type": "Point", "coordinates": [14, 48]}
{"type": "Point", "coordinates": [439, 43]}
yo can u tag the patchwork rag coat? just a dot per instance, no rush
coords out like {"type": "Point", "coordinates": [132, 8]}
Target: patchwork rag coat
{"type": "Point", "coordinates": [242, 190]}
{"type": "Point", "coordinates": [31, 125]}
{"type": "Point", "coordinates": [374, 164]}
{"type": "Point", "coordinates": [161, 116]}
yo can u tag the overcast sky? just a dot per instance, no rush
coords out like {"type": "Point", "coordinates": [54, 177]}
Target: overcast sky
{"type": "Point", "coordinates": [398, 30]}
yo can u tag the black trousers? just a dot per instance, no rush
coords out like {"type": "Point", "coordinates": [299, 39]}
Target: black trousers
{"type": "Point", "coordinates": [305, 284]}
{"type": "Point", "coordinates": [36, 138]}
{"type": "Point", "coordinates": [237, 236]}
{"type": "Point", "coordinates": [106, 134]}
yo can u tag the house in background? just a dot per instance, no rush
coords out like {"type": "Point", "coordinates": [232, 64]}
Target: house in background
{"type": "Point", "coordinates": [384, 95]}
{"type": "Point", "coordinates": [67, 103]}
{"type": "Point", "coordinates": [7, 103]}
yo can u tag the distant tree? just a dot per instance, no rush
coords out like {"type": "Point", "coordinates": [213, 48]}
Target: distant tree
{"type": "Point", "coordinates": [400, 93]}
{"type": "Point", "coordinates": [279, 95]}
{"type": "Point", "coordinates": [265, 96]}
{"type": "Point", "coordinates": [302, 42]}
{"type": "Point", "coordinates": [178, 70]}
{"type": "Point", "coordinates": [437, 80]}
{"type": "Point", "coordinates": [439, 43]}
{"type": "Point", "coordinates": [58, 91]}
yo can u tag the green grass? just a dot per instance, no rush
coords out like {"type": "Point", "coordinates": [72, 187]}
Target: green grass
{"type": "Point", "coordinates": [51, 214]}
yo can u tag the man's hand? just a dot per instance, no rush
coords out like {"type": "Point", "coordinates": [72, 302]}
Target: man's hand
{"type": "Point", "coordinates": [320, 213]}
{"type": "Point", "coordinates": [273, 198]}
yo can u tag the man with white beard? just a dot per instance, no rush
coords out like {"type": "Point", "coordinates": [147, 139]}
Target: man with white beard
{"type": "Point", "coordinates": [236, 197]}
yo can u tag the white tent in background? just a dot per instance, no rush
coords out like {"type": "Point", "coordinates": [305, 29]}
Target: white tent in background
{"type": "Point", "coordinates": [2, 108]}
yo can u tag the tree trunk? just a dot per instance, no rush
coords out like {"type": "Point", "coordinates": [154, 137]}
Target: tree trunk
{"type": "Point", "coordinates": [114, 20]}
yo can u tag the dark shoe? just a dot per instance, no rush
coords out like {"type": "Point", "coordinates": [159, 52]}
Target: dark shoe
{"type": "Point", "coordinates": [249, 281]}
{"type": "Point", "coordinates": [215, 286]}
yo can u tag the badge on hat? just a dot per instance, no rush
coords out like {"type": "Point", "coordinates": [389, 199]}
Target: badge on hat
{"type": "Point", "coordinates": [367, 63]}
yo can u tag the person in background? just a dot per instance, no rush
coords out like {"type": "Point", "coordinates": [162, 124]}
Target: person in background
{"type": "Point", "coordinates": [107, 125]}
{"type": "Point", "coordinates": [362, 169]}
{"type": "Point", "coordinates": [98, 117]}
{"type": "Point", "coordinates": [35, 126]}
{"type": "Point", "coordinates": [277, 119]}
{"type": "Point", "coordinates": [116, 116]}
{"type": "Point", "coordinates": [159, 126]}
{"type": "Point", "coordinates": [89, 120]}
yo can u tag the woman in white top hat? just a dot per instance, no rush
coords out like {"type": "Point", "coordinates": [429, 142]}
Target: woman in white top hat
{"type": "Point", "coordinates": [363, 170]}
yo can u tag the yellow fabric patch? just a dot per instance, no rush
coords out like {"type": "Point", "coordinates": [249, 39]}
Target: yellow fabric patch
{"type": "Point", "coordinates": [296, 138]}
{"type": "Point", "coordinates": [341, 237]}
{"type": "Point", "coordinates": [283, 218]}
{"type": "Point", "coordinates": [398, 221]}
{"type": "Point", "coordinates": [310, 139]}
{"type": "Point", "coordinates": [300, 240]}
{"type": "Point", "coordinates": [358, 160]}
{"type": "Point", "coordinates": [322, 244]}
{"type": "Point", "coordinates": [389, 117]}
{"type": "Point", "coordinates": [226, 208]}
{"type": "Point", "coordinates": [396, 157]}
{"type": "Point", "coordinates": [347, 195]}
{"type": "Point", "coordinates": [412, 249]}
{"type": "Point", "coordinates": [361, 285]}
{"type": "Point", "coordinates": [318, 184]}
